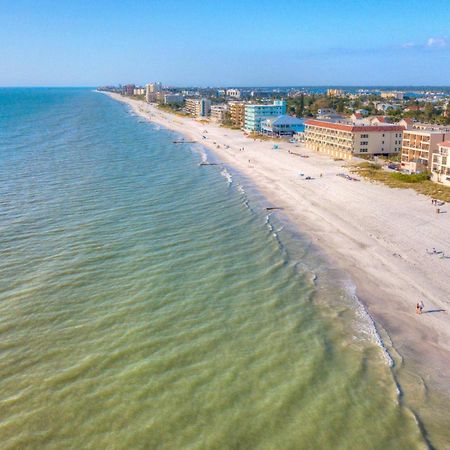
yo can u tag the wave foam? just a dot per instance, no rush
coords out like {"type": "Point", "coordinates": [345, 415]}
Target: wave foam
{"type": "Point", "coordinates": [372, 330]}
{"type": "Point", "coordinates": [227, 175]}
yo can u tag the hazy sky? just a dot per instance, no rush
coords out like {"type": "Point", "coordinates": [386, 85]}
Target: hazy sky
{"type": "Point", "coordinates": [224, 42]}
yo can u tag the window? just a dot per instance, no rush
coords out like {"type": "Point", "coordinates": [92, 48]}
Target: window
{"type": "Point", "coordinates": [364, 143]}
{"type": "Point", "coordinates": [363, 150]}
{"type": "Point", "coordinates": [364, 136]}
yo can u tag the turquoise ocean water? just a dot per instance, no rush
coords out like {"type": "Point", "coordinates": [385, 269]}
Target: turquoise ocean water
{"type": "Point", "coordinates": [149, 303]}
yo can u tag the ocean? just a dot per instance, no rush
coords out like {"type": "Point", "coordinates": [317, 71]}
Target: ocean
{"type": "Point", "coordinates": [149, 302]}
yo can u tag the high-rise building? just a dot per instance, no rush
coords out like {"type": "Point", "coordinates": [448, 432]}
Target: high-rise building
{"type": "Point", "coordinates": [128, 89]}
{"type": "Point", "coordinates": [151, 89]}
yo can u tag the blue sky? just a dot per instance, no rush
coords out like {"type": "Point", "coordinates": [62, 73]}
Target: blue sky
{"type": "Point", "coordinates": [220, 42]}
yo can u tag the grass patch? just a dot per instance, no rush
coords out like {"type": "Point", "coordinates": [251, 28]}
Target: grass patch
{"type": "Point", "coordinates": [231, 127]}
{"type": "Point", "coordinates": [262, 137]}
{"type": "Point", "coordinates": [419, 182]}
{"type": "Point", "coordinates": [171, 110]}
{"type": "Point", "coordinates": [413, 178]}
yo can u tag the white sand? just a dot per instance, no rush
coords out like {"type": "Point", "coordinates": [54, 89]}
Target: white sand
{"type": "Point", "coordinates": [377, 234]}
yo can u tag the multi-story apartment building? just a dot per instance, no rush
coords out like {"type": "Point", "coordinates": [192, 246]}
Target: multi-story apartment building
{"type": "Point", "coordinates": [441, 163]}
{"type": "Point", "coordinates": [235, 93]}
{"type": "Point", "coordinates": [237, 113]}
{"type": "Point", "coordinates": [198, 107]}
{"type": "Point", "coordinates": [173, 99]}
{"type": "Point", "coordinates": [419, 144]}
{"type": "Point", "coordinates": [256, 113]}
{"type": "Point", "coordinates": [343, 140]}
{"type": "Point", "coordinates": [218, 113]}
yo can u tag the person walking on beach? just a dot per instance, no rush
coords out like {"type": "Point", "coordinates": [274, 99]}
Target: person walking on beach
{"type": "Point", "coordinates": [421, 306]}
{"type": "Point", "coordinates": [417, 308]}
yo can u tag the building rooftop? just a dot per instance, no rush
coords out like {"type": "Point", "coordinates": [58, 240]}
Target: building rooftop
{"type": "Point", "coordinates": [284, 120]}
{"type": "Point", "coordinates": [427, 128]}
{"type": "Point", "coordinates": [445, 144]}
{"type": "Point", "coordinates": [349, 126]}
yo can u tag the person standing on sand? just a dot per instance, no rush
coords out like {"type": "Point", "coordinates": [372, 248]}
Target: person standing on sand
{"type": "Point", "coordinates": [417, 308]}
{"type": "Point", "coordinates": [421, 306]}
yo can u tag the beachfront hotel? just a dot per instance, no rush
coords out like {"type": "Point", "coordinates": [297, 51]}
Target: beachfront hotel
{"type": "Point", "coordinates": [256, 113]}
{"type": "Point", "coordinates": [441, 164]}
{"type": "Point", "coordinates": [198, 107]}
{"type": "Point", "coordinates": [343, 140]}
{"type": "Point", "coordinates": [282, 126]}
{"type": "Point", "coordinates": [237, 113]}
{"type": "Point", "coordinates": [419, 144]}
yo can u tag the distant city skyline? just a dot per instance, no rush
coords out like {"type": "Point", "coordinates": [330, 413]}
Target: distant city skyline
{"type": "Point", "coordinates": [192, 43]}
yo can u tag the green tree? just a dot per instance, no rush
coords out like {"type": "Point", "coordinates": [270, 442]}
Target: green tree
{"type": "Point", "coordinates": [429, 110]}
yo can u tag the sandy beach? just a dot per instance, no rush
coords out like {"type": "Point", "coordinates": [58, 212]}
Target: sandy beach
{"type": "Point", "coordinates": [378, 235]}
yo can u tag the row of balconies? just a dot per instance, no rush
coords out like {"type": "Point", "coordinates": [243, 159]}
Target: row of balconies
{"type": "Point", "coordinates": [327, 136]}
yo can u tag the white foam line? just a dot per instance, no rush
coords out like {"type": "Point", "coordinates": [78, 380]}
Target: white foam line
{"type": "Point", "coordinates": [373, 331]}
{"type": "Point", "coordinates": [224, 172]}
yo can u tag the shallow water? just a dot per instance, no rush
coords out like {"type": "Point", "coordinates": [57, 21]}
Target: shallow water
{"type": "Point", "coordinates": [147, 302]}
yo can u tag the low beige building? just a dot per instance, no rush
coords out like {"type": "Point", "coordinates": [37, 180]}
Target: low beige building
{"type": "Point", "coordinates": [237, 113]}
{"type": "Point", "coordinates": [335, 92]}
{"type": "Point", "coordinates": [418, 147]}
{"type": "Point", "coordinates": [392, 94]}
{"type": "Point", "coordinates": [441, 164]}
{"type": "Point", "coordinates": [343, 140]}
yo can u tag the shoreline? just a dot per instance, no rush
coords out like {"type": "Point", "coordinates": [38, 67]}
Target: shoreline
{"type": "Point", "coordinates": [376, 234]}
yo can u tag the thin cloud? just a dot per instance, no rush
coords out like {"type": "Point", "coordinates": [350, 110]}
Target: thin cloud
{"type": "Point", "coordinates": [438, 42]}
{"type": "Point", "coordinates": [432, 42]}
